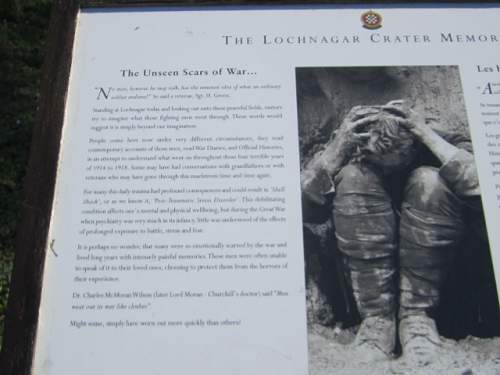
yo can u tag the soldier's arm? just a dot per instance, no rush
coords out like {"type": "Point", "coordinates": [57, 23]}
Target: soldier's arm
{"type": "Point", "coordinates": [316, 178]}
{"type": "Point", "coordinates": [457, 163]}
{"type": "Point", "coordinates": [458, 168]}
{"type": "Point", "coordinates": [336, 153]}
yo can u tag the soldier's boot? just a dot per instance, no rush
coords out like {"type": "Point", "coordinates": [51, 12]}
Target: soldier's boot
{"type": "Point", "coordinates": [430, 230]}
{"type": "Point", "coordinates": [365, 228]}
{"type": "Point", "coordinates": [376, 339]}
{"type": "Point", "coordinates": [420, 340]}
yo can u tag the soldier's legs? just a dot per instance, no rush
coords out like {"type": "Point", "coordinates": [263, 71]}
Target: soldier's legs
{"type": "Point", "coordinates": [431, 227]}
{"type": "Point", "coordinates": [365, 228]}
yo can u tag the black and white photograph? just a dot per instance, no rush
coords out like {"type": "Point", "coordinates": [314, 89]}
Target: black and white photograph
{"type": "Point", "coordinates": [399, 275]}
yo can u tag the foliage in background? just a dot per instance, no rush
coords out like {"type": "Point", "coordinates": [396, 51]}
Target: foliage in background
{"type": "Point", "coordinates": [23, 31]}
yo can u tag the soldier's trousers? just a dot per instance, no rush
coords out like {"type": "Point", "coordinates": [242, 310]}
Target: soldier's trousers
{"type": "Point", "coordinates": [396, 260]}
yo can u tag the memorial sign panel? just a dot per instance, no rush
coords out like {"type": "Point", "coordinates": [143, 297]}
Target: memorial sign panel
{"type": "Point", "coordinates": [263, 190]}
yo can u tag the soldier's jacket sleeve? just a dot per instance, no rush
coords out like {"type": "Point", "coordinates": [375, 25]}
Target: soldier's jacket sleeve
{"type": "Point", "coordinates": [460, 171]}
{"type": "Point", "coordinates": [317, 188]}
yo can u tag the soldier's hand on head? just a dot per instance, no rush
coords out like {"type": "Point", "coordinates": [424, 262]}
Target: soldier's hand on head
{"type": "Point", "coordinates": [413, 121]}
{"type": "Point", "coordinates": [346, 138]}
{"type": "Point", "coordinates": [360, 111]}
{"type": "Point", "coordinates": [350, 133]}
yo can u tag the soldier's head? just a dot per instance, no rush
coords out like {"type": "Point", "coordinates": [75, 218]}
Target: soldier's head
{"type": "Point", "coordinates": [389, 145]}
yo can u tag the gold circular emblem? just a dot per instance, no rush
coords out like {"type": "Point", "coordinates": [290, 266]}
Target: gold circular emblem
{"type": "Point", "coordinates": [371, 20]}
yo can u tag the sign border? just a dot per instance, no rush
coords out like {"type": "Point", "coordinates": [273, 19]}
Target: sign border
{"type": "Point", "coordinates": [32, 239]}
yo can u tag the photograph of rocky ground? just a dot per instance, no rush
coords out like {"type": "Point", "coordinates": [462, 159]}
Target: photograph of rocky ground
{"type": "Point", "coordinates": [329, 353]}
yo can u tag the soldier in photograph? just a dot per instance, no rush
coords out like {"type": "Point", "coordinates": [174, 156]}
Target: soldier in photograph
{"type": "Point", "coordinates": [402, 195]}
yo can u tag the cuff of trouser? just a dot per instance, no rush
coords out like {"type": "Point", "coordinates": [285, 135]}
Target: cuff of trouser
{"type": "Point", "coordinates": [460, 173]}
